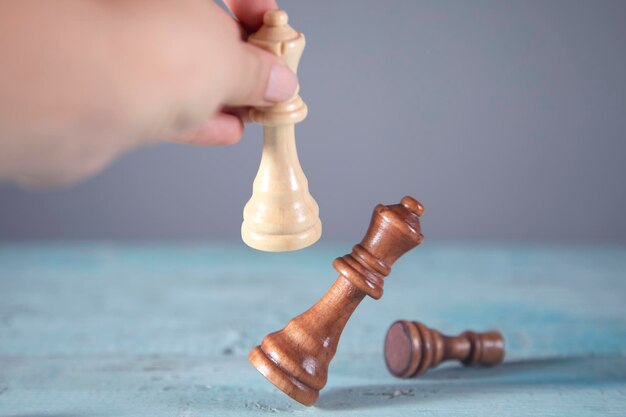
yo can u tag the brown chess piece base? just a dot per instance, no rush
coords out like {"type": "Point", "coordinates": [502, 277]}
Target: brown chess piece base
{"type": "Point", "coordinates": [296, 358]}
{"type": "Point", "coordinates": [281, 378]}
{"type": "Point", "coordinates": [411, 348]}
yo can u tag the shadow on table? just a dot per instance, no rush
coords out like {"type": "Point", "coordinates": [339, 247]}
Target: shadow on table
{"type": "Point", "coordinates": [459, 382]}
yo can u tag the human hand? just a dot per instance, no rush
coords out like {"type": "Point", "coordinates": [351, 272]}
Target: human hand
{"type": "Point", "coordinates": [82, 82]}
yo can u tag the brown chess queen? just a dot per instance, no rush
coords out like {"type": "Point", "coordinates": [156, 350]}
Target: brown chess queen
{"type": "Point", "coordinates": [296, 358]}
{"type": "Point", "coordinates": [411, 348]}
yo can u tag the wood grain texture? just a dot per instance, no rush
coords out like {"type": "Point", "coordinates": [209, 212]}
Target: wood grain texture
{"type": "Point", "coordinates": [281, 215]}
{"type": "Point", "coordinates": [296, 358]}
{"type": "Point", "coordinates": [94, 329]}
{"type": "Point", "coordinates": [412, 348]}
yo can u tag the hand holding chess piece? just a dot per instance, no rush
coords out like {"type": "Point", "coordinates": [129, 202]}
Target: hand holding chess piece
{"type": "Point", "coordinates": [281, 215]}
{"type": "Point", "coordinates": [296, 358]}
{"type": "Point", "coordinates": [411, 348]}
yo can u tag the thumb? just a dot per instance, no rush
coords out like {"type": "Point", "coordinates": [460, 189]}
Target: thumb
{"type": "Point", "coordinates": [255, 77]}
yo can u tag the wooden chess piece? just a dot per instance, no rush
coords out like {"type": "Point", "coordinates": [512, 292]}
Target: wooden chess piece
{"type": "Point", "coordinates": [281, 215]}
{"type": "Point", "coordinates": [296, 358]}
{"type": "Point", "coordinates": [411, 348]}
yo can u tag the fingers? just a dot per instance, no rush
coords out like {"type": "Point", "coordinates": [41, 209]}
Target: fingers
{"type": "Point", "coordinates": [203, 66]}
{"type": "Point", "coordinates": [254, 77]}
{"type": "Point", "coordinates": [267, 80]}
{"type": "Point", "coordinates": [222, 129]}
{"type": "Point", "coordinates": [250, 12]}
{"type": "Point", "coordinates": [242, 112]}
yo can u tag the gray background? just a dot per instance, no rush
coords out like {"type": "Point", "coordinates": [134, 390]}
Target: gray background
{"type": "Point", "coordinates": [507, 119]}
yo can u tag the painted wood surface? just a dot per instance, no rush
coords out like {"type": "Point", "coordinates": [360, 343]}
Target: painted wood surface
{"type": "Point", "coordinates": [164, 330]}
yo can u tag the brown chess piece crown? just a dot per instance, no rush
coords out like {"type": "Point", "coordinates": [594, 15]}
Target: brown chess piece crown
{"type": "Point", "coordinates": [411, 348]}
{"type": "Point", "coordinates": [296, 358]}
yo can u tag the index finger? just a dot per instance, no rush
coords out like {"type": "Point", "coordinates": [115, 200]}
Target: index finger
{"type": "Point", "coordinates": [250, 12]}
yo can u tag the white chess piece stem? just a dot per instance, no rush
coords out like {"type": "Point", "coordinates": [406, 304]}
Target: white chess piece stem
{"type": "Point", "coordinates": [281, 215]}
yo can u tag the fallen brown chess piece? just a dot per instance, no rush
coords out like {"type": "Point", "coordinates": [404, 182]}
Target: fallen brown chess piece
{"type": "Point", "coordinates": [411, 348]}
{"type": "Point", "coordinates": [296, 358]}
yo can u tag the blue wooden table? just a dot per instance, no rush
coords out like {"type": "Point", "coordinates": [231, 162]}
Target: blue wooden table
{"type": "Point", "coordinates": [164, 330]}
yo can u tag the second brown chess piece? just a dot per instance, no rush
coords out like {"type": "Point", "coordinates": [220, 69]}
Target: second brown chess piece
{"type": "Point", "coordinates": [411, 348]}
{"type": "Point", "coordinates": [296, 358]}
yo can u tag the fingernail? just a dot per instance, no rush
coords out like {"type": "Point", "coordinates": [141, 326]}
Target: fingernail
{"type": "Point", "coordinates": [281, 85]}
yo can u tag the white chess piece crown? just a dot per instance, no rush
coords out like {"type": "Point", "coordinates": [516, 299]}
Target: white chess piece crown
{"type": "Point", "coordinates": [281, 215]}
